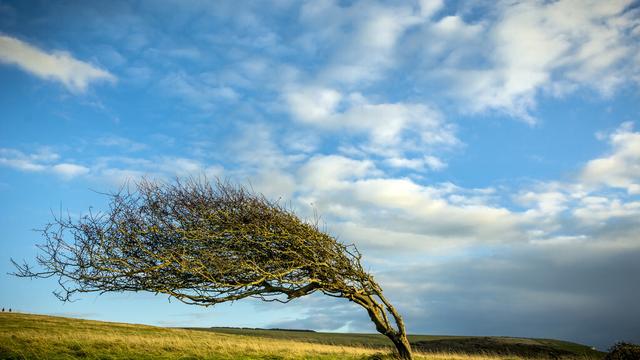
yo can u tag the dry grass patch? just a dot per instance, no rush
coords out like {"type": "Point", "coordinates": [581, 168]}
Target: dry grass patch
{"type": "Point", "coordinates": [26, 336]}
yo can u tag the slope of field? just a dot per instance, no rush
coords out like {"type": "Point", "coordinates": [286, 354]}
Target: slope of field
{"type": "Point", "coordinates": [522, 347]}
{"type": "Point", "coordinates": [27, 336]}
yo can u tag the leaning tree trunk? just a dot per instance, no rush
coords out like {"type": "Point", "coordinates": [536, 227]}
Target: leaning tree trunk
{"type": "Point", "coordinates": [402, 345]}
{"type": "Point", "coordinates": [379, 314]}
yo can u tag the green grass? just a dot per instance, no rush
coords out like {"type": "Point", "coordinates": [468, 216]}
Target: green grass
{"type": "Point", "coordinates": [28, 336]}
{"type": "Point", "coordinates": [377, 340]}
{"type": "Point", "coordinates": [351, 339]}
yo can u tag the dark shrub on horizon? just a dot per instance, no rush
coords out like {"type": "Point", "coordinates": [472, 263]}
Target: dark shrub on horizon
{"type": "Point", "coordinates": [623, 351]}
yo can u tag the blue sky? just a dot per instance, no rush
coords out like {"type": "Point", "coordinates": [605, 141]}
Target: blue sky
{"type": "Point", "coordinates": [485, 156]}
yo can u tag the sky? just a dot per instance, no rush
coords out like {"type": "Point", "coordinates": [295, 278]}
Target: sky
{"type": "Point", "coordinates": [484, 156]}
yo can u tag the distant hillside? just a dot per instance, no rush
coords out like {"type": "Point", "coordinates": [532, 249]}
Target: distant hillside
{"type": "Point", "coordinates": [504, 346]}
{"type": "Point", "coordinates": [527, 348]}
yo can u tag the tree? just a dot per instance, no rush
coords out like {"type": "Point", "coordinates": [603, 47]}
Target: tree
{"type": "Point", "coordinates": [205, 244]}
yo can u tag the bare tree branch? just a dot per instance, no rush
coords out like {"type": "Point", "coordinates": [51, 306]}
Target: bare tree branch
{"type": "Point", "coordinates": [204, 244]}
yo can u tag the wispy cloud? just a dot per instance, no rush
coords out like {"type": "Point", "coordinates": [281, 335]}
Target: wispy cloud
{"type": "Point", "coordinates": [620, 169]}
{"type": "Point", "coordinates": [59, 66]}
{"type": "Point", "coordinates": [120, 142]}
{"type": "Point", "coordinates": [366, 50]}
{"type": "Point", "coordinates": [533, 48]}
{"type": "Point", "coordinates": [198, 90]}
{"type": "Point", "coordinates": [42, 160]}
{"type": "Point", "coordinates": [425, 162]}
{"type": "Point", "coordinates": [69, 171]}
{"type": "Point", "coordinates": [114, 170]}
{"type": "Point", "coordinates": [110, 170]}
{"type": "Point", "coordinates": [501, 62]}
{"type": "Point", "coordinates": [391, 129]}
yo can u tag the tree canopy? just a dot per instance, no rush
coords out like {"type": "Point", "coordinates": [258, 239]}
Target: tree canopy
{"type": "Point", "coordinates": [204, 244]}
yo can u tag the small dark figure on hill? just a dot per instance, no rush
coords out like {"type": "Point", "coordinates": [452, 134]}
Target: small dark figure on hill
{"type": "Point", "coordinates": [623, 351]}
{"type": "Point", "coordinates": [9, 309]}
{"type": "Point", "coordinates": [2, 309]}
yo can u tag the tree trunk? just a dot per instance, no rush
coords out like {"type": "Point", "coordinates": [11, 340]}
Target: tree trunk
{"type": "Point", "coordinates": [402, 345]}
{"type": "Point", "coordinates": [380, 319]}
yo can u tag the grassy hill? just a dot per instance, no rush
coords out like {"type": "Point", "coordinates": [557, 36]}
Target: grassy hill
{"type": "Point", "coordinates": [498, 345]}
{"type": "Point", "coordinates": [27, 336]}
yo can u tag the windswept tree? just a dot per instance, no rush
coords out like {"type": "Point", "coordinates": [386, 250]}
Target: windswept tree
{"type": "Point", "coordinates": [205, 244]}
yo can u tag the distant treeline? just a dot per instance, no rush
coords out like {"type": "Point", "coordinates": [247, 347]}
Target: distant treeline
{"type": "Point", "coordinates": [262, 329]}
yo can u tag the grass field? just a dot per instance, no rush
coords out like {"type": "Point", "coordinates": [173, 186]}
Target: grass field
{"type": "Point", "coordinates": [27, 336]}
{"type": "Point", "coordinates": [377, 340]}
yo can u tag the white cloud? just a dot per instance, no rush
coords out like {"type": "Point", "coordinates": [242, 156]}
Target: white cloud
{"type": "Point", "coordinates": [118, 170]}
{"type": "Point", "coordinates": [430, 7]}
{"type": "Point", "coordinates": [333, 171]}
{"type": "Point", "coordinates": [274, 184]}
{"type": "Point", "coordinates": [392, 124]}
{"type": "Point", "coordinates": [42, 160]}
{"type": "Point", "coordinates": [544, 203]}
{"type": "Point", "coordinates": [362, 205]}
{"type": "Point", "coordinates": [37, 161]}
{"type": "Point", "coordinates": [20, 163]}
{"type": "Point", "coordinates": [113, 170]}
{"type": "Point", "coordinates": [538, 47]}
{"type": "Point", "coordinates": [68, 171]}
{"type": "Point", "coordinates": [198, 90]}
{"type": "Point", "coordinates": [504, 61]}
{"type": "Point", "coordinates": [391, 128]}
{"type": "Point", "coordinates": [255, 147]}
{"type": "Point", "coordinates": [592, 207]}
{"type": "Point", "coordinates": [120, 142]}
{"type": "Point", "coordinates": [362, 36]}
{"type": "Point", "coordinates": [598, 210]}
{"type": "Point", "coordinates": [434, 163]}
{"type": "Point", "coordinates": [426, 162]}
{"type": "Point", "coordinates": [620, 169]}
{"type": "Point", "coordinates": [370, 51]}
{"type": "Point", "coordinates": [179, 166]}
{"type": "Point", "coordinates": [76, 75]}
{"type": "Point", "coordinates": [183, 167]}
{"type": "Point", "coordinates": [312, 104]}
{"type": "Point", "coordinates": [428, 210]}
